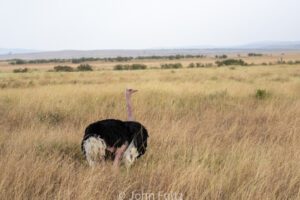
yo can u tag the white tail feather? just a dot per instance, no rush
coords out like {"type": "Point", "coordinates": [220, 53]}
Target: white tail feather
{"type": "Point", "coordinates": [94, 150]}
{"type": "Point", "coordinates": [130, 155]}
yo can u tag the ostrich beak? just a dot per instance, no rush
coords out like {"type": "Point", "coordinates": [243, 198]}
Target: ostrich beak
{"type": "Point", "coordinates": [131, 91]}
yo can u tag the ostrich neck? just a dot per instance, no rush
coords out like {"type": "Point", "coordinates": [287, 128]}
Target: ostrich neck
{"type": "Point", "coordinates": [129, 107]}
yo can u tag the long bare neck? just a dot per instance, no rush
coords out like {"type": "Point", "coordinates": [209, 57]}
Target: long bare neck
{"type": "Point", "coordinates": [129, 107]}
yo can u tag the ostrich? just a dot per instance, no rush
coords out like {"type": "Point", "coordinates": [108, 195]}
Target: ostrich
{"type": "Point", "coordinates": [121, 141]}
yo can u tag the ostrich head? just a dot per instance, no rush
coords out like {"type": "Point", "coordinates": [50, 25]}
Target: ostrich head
{"type": "Point", "coordinates": [128, 94]}
{"type": "Point", "coordinates": [130, 91]}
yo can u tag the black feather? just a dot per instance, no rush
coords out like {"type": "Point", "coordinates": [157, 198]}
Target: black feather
{"type": "Point", "coordinates": [115, 133]}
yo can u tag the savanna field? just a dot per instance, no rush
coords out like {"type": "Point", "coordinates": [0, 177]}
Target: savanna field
{"type": "Point", "coordinates": [230, 132]}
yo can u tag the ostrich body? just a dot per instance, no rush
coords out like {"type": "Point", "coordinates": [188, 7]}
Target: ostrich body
{"type": "Point", "coordinates": [122, 141]}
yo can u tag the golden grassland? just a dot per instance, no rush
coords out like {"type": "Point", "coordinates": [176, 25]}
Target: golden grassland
{"type": "Point", "coordinates": [211, 137]}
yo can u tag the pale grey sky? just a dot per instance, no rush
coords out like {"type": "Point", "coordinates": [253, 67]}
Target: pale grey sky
{"type": "Point", "coordinates": [131, 24]}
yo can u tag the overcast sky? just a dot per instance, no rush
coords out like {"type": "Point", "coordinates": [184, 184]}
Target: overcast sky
{"type": "Point", "coordinates": [132, 24]}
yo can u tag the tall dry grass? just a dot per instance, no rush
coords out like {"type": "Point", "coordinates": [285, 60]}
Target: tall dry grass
{"type": "Point", "coordinates": [210, 137]}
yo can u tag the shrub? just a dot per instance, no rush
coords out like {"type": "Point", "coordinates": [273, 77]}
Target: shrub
{"type": "Point", "coordinates": [137, 66]}
{"type": "Point", "coordinates": [171, 66]}
{"type": "Point", "coordinates": [130, 67]}
{"type": "Point", "coordinates": [20, 70]}
{"type": "Point", "coordinates": [199, 65]}
{"type": "Point", "coordinates": [231, 62]}
{"type": "Point", "coordinates": [191, 65]}
{"type": "Point", "coordinates": [84, 67]}
{"type": "Point", "coordinates": [118, 67]}
{"type": "Point", "coordinates": [293, 62]}
{"type": "Point", "coordinates": [261, 94]}
{"type": "Point", "coordinates": [63, 68]}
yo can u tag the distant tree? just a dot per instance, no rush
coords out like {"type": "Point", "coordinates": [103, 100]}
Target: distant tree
{"type": "Point", "coordinates": [63, 68]}
{"type": "Point", "coordinates": [254, 54]}
{"type": "Point", "coordinates": [18, 62]}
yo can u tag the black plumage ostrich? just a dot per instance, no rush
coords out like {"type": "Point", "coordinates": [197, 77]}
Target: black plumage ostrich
{"type": "Point", "coordinates": [122, 141]}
